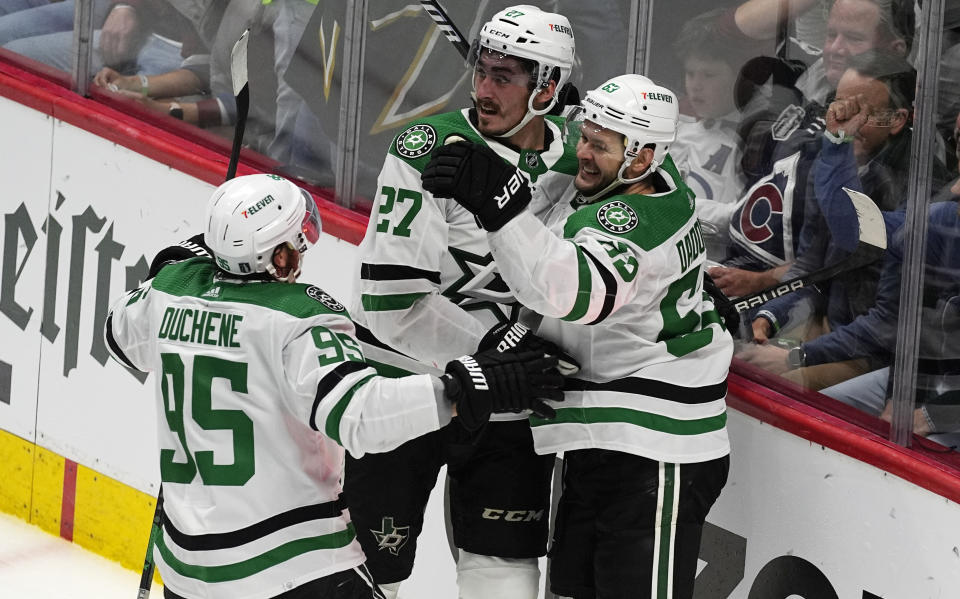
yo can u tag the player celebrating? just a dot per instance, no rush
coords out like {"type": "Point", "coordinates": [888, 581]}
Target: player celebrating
{"type": "Point", "coordinates": [431, 291]}
{"type": "Point", "coordinates": [262, 386]}
{"type": "Point", "coordinates": [617, 274]}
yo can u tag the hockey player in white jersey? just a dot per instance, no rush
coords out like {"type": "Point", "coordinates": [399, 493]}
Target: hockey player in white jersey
{"type": "Point", "coordinates": [430, 290]}
{"type": "Point", "coordinates": [617, 274]}
{"type": "Point", "coordinates": [262, 385]}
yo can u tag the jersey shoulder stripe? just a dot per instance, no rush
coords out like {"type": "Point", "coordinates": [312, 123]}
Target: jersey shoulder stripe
{"type": "Point", "coordinates": [200, 278]}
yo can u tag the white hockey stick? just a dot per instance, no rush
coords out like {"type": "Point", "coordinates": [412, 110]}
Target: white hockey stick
{"type": "Point", "coordinates": [241, 89]}
{"type": "Point", "coordinates": [870, 247]}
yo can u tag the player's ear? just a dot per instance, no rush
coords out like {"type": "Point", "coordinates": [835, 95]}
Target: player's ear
{"type": "Point", "coordinates": [900, 118]}
{"type": "Point", "coordinates": [544, 94]}
{"type": "Point", "coordinates": [639, 164]}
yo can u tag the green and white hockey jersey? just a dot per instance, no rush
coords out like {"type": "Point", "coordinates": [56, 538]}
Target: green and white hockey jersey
{"type": "Point", "coordinates": [429, 287]}
{"type": "Point", "coordinates": [261, 386]}
{"type": "Point", "coordinates": [619, 283]}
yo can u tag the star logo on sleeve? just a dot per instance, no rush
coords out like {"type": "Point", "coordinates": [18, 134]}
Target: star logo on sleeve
{"type": "Point", "coordinates": [390, 537]}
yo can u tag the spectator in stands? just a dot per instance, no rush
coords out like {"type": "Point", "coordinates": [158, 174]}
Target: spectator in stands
{"type": "Point", "coordinates": [707, 150]}
{"type": "Point", "coordinates": [28, 18]}
{"type": "Point", "coordinates": [872, 110]}
{"type": "Point", "coordinates": [937, 414]}
{"type": "Point", "coordinates": [136, 37]}
{"type": "Point", "coordinates": [782, 138]}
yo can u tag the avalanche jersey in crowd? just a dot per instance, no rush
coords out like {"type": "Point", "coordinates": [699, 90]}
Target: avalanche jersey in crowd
{"type": "Point", "coordinates": [707, 154]}
{"type": "Point", "coordinates": [262, 386]}
{"type": "Point", "coordinates": [765, 227]}
{"type": "Point", "coordinates": [429, 287]}
{"type": "Point", "coordinates": [620, 285]}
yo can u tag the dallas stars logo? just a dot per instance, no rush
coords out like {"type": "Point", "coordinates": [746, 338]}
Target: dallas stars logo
{"type": "Point", "coordinates": [390, 537]}
{"type": "Point", "coordinates": [416, 141]}
{"type": "Point", "coordinates": [617, 217]}
{"type": "Point", "coordinates": [480, 287]}
{"type": "Point", "coordinates": [610, 88]}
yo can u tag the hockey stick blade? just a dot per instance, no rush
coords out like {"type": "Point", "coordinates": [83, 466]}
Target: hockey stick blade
{"type": "Point", "coordinates": [146, 576]}
{"type": "Point", "coordinates": [241, 90]}
{"type": "Point", "coordinates": [870, 247]}
{"type": "Point", "coordinates": [445, 24]}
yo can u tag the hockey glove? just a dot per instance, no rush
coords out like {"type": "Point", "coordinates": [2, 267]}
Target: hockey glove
{"type": "Point", "coordinates": [189, 248]}
{"type": "Point", "coordinates": [514, 337]}
{"type": "Point", "coordinates": [567, 96]}
{"type": "Point", "coordinates": [479, 180]}
{"type": "Point", "coordinates": [489, 382]}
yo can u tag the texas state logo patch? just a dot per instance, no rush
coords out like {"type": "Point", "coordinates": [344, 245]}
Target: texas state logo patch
{"type": "Point", "coordinates": [416, 141]}
{"type": "Point", "coordinates": [617, 217]}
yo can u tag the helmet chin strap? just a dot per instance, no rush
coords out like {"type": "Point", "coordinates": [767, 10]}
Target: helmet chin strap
{"type": "Point", "coordinates": [620, 180]}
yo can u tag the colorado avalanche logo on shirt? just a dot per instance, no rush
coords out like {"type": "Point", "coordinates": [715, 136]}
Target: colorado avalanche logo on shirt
{"type": "Point", "coordinates": [617, 217]}
{"type": "Point", "coordinates": [324, 298]}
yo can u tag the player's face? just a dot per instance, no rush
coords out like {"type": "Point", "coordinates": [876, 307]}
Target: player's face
{"type": "Point", "coordinates": [502, 87]}
{"type": "Point", "coordinates": [852, 29]}
{"type": "Point", "coordinates": [884, 120]}
{"type": "Point", "coordinates": [599, 156]}
{"type": "Point", "coordinates": [709, 85]}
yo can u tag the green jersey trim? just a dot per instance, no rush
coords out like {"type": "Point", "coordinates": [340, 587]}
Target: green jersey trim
{"type": "Point", "coordinates": [200, 278]}
{"type": "Point", "coordinates": [332, 428]}
{"type": "Point", "coordinates": [387, 370]}
{"type": "Point", "coordinates": [259, 563]}
{"type": "Point", "coordinates": [647, 420]}
{"type": "Point", "coordinates": [580, 306]}
{"type": "Point", "coordinates": [384, 303]}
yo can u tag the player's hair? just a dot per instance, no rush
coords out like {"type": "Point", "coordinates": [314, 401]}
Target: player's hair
{"type": "Point", "coordinates": [892, 70]}
{"type": "Point", "coordinates": [897, 21]}
{"type": "Point", "coordinates": [701, 38]}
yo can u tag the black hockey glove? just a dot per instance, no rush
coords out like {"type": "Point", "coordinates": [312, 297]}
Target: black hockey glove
{"type": "Point", "coordinates": [479, 180]}
{"type": "Point", "coordinates": [514, 337]}
{"type": "Point", "coordinates": [568, 95]}
{"type": "Point", "coordinates": [189, 248]}
{"type": "Point", "coordinates": [489, 382]}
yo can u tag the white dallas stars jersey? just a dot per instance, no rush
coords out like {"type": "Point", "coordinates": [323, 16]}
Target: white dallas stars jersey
{"type": "Point", "coordinates": [429, 287]}
{"type": "Point", "coordinates": [261, 386]}
{"type": "Point", "coordinates": [619, 283]}
{"type": "Point", "coordinates": [707, 154]}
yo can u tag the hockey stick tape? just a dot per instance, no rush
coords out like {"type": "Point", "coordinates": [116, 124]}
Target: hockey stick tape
{"type": "Point", "coordinates": [453, 138]}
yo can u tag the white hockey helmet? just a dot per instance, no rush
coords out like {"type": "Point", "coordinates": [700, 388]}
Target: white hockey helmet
{"type": "Point", "coordinates": [527, 32]}
{"type": "Point", "coordinates": [639, 109]}
{"type": "Point", "coordinates": [248, 217]}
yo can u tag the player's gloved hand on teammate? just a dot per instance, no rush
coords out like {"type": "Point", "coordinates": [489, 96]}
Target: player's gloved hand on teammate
{"type": "Point", "coordinates": [491, 382]}
{"type": "Point", "coordinates": [479, 180]}
{"type": "Point", "coordinates": [567, 96]}
{"type": "Point", "coordinates": [186, 249]}
{"type": "Point", "coordinates": [515, 337]}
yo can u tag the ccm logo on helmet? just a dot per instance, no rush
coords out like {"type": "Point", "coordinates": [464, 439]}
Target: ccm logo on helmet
{"type": "Point", "coordinates": [562, 29]}
{"type": "Point", "coordinates": [497, 33]}
{"type": "Point", "coordinates": [655, 96]}
{"type": "Point", "coordinates": [251, 210]}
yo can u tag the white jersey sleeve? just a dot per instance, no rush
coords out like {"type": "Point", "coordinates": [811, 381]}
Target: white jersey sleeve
{"type": "Point", "coordinates": [339, 395]}
{"type": "Point", "coordinates": [127, 330]}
